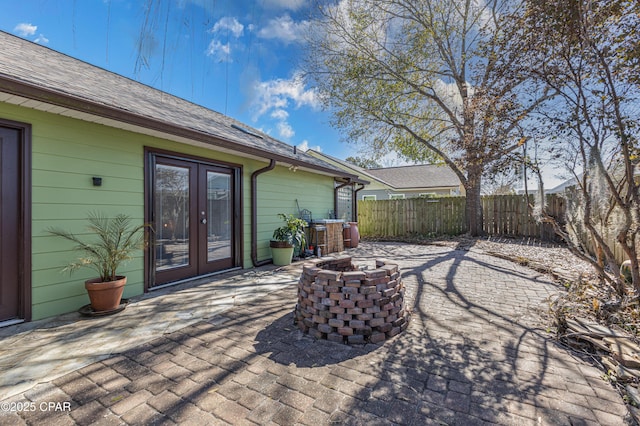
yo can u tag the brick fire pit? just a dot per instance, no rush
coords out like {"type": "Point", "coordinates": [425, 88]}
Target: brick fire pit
{"type": "Point", "coordinates": [339, 303]}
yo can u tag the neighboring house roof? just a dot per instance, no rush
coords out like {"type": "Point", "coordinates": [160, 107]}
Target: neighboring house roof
{"type": "Point", "coordinates": [563, 186]}
{"type": "Point", "coordinates": [417, 176]}
{"type": "Point", "coordinates": [573, 181]}
{"type": "Point", "coordinates": [38, 77]}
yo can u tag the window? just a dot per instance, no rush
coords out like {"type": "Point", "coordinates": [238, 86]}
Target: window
{"type": "Point", "coordinates": [396, 196]}
{"type": "Point", "coordinates": [427, 195]}
{"type": "Point", "coordinates": [368, 198]}
{"type": "Point", "coordinates": [344, 209]}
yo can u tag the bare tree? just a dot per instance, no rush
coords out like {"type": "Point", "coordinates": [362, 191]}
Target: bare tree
{"type": "Point", "coordinates": [578, 49]}
{"type": "Point", "coordinates": [420, 77]}
{"type": "Point", "coordinates": [364, 162]}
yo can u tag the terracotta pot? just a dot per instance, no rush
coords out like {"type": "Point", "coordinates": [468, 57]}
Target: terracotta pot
{"type": "Point", "coordinates": [355, 234]}
{"type": "Point", "coordinates": [346, 235]}
{"type": "Point", "coordinates": [105, 296]}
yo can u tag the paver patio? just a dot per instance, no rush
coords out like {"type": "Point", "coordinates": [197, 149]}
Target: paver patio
{"type": "Point", "coordinates": [475, 352]}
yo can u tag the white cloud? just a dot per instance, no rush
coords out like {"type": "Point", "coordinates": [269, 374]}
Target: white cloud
{"type": "Point", "coordinates": [284, 28]}
{"type": "Point", "coordinates": [41, 39]}
{"type": "Point", "coordinates": [304, 146]}
{"type": "Point", "coordinates": [377, 32]}
{"type": "Point", "coordinates": [24, 29]}
{"type": "Point", "coordinates": [482, 9]}
{"type": "Point", "coordinates": [285, 130]}
{"type": "Point", "coordinates": [274, 97]}
{"type": "Point", "coordinates": [221, 52]}
{"type": "Point", "coordinates": [283, 4]}
{"type": "Point", "coordinates": [450, 94]}
{"type": "Point", "coordinates": [277, 94]}
{"type": "Point", "coordinates": [230, 24]}
{"type": "Point", "coordinates": [225, 28]}
{"type": "Point", "coordinates": [280, 114]}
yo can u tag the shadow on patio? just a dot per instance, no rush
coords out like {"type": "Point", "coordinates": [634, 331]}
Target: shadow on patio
{"type": "Point", "coordinates": [471, 354]}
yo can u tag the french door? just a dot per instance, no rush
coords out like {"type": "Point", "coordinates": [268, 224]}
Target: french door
{"type": "Point", "coordinates": [15, 219]}
{"type": "Point", "coordinates": [195, 215]}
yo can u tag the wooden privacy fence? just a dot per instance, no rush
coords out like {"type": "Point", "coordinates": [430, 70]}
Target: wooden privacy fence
{"type": "Point", "coordinates": [610, 240]}
{"type": "Point", "coordinates": [423, 216]}
{"type": "Point", "coordinates": [502, 215]}
{"type": "Point", "coordinates": [510, 215]}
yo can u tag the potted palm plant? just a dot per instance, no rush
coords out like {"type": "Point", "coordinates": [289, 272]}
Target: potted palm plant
{"type": "Point", "coordinates": [287, 238]}
{"type": "Point", "coordinates": [116, 240]}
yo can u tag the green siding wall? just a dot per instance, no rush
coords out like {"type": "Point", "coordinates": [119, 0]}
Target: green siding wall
{"type": "Point", "coordinates": [278, 191]}
{"type": "Point", "coordinates": [67, 153]}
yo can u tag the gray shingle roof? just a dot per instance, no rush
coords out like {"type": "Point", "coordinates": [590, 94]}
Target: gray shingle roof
{"type": "Point", "coordinates": [37, 72]}
{"type": "Point", "coordinates": [419, 176]}
{"type": "Point", "coordinates": [344, 164]}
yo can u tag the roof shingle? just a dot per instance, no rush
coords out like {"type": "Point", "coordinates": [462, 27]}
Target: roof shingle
{"type": "Point", "coordinates": [418, 176]}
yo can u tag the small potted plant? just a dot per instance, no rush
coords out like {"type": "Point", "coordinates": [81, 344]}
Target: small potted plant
{"type": "Point", "coordinates": [116, 241]}
{"type": "Point", "coordinates": [286, 238]}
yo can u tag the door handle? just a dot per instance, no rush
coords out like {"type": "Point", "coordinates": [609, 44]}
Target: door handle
{"type": "Point", "coordinates": [203, 221]}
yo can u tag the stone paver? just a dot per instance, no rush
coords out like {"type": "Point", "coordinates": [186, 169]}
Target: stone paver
{"type": "Point", "coordinates": [475, 352]}
{"type": "Point", "coordinates": [46, 349]}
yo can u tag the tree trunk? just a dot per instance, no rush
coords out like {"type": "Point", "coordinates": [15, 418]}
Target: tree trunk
{"type": "Point", "coordinates": [473, 203]}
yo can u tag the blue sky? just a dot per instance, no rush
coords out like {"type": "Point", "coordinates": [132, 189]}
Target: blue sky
{"type": "Point", "coordinates": [240, 58]}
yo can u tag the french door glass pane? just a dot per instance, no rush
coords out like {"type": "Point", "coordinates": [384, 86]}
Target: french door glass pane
{"type": "Point", "coordinates": [172, 216]}
{"type": "Point", "coordinates": [219, 219]}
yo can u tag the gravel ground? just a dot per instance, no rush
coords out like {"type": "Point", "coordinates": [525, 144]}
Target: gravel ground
{"type": "Point", "coordinates": [552, 258]}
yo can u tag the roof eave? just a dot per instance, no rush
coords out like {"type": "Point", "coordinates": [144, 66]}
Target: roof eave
{"type": "Point", "coordinates": [423, 188]}
{"type": "Point", "coordinates": [356, 179]}
{"type": "Point", "coordinates": [351, 167]}
{"type": "Point", "coordinates": [65, 100]}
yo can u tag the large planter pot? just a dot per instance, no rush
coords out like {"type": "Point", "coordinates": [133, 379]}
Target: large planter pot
{"type": "Point", "coordinates": [281, 253]}
{"type": "Point", "coordinates": [355, 234]}
{"type": "Point", "coordinates": [105, 296]}
{"type": "Point", "coordinates": [346, 235]}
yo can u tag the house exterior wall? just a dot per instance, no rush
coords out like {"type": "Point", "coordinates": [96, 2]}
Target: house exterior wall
{"type": "Point", "coordinates": [278, 192]}
{"type": "Point", "coordinates": [67, 153]}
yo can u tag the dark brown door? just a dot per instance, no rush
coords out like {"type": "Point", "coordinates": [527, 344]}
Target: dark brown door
{"type": "Point", "coordinates": [10, 184]}
{"type": "Point", "coordinates": [194, 215]}
{"type": "Point", "coordinates": [215, 219]}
